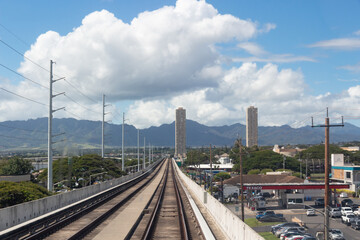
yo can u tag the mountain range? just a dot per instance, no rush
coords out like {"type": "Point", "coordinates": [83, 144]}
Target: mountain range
{"type": "Point", "coordinates": [32, 134]}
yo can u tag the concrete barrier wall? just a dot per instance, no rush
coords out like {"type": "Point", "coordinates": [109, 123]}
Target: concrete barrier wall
{"type": "Point", "coordinates": [20, 213]}
{"type": "Point", "coordinates": [231, 225]}
{"type": "Point", "coordinates": [15, 178]}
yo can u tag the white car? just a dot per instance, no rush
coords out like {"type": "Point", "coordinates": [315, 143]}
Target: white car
{"type": "Point", "coordinates": [346, 210]}
{"type": "Point", "coordinates": [357, 212]}
{"type": "Point", "coordinates": [335, 234]}
{"type": "Point", "coordinates": [310, 212]}
{"type": "Point", "coordinates": [343, 195]}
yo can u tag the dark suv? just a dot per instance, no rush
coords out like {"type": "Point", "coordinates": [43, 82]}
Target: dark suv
{"type": "Point", "coordinates": [320, 202]}
{"type": "Point", "coordinates": [347, 202]}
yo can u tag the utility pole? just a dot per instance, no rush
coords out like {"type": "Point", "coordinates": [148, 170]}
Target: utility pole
{"type": "Point", "coordinates": [138, 148]}
{"type": "Point", "coordinates": [103, 129]}
{"type": "Point", "coordinates": [241, 181]}
{"type": "Point", "coordinates": [284, 158]}
{"type": "Point", "coordinates": [327, 170]}
{"type": "Point", "coordinates": [50, 142]}
{"type": "Point", "coordinates": [211, 187]}
{"type": "Point", "coordinates": [122, 144]}
{"type": "Point", "coordinates": [300, 166]}
{"type": "Point", "coordinates": [144, 165]}
{"type": "Point", "coordinates": [149, 153]}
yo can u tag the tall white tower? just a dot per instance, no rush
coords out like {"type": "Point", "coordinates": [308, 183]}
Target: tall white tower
{"type": "Point", "coordinates": [251, 126]}
{"type": "Point", "coordinates": [180, 132]}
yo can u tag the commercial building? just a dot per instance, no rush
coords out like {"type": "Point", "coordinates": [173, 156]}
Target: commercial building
{"type": "Point", "coordinates": [251, 126]}
{"type": "Point", "coordinates": [180, 132]}
{"type": "Point", "coordinates": [345, 172]}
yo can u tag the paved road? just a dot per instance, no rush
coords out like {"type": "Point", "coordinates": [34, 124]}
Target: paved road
{"type": "Point", "coordinates": [316, 223]}
{"type": "Point", "coordinates": [313, 223]}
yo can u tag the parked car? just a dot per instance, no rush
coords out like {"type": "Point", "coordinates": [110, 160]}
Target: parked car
{"type": "Point", "coordinates": [346, 202]}
{"type": "Point", "coordinates": [348, 218]}
{"type": "Point", "coordinates": [264, 213]}
{"type": "Point", "coordinates": [335, 212]}
{"type": "Point", "coordinates": [343, 195]}
{"type": "Point", "coordinates": [320, 202]}
{"type": "Point", "coordinates": [356, 223]}
{"type": "Point", "coordinates": [357, 212]}
{"type": "Point", "coordinates": [289, 229]}
{"type": "Point", "coordinates": [272, 218]}
{"type": "Point", "coordinates": [302, 237]}
{"type": "Point", "coordinates": [310, 212]}
{"type": "Point", "coordinates": [288, 235]}
{"type": "Point", "coordinates": [345, 210]}
{"type": "Point", "coordinates": [287, 224]}
{"type": "Point", "coordinates": [335, 234]}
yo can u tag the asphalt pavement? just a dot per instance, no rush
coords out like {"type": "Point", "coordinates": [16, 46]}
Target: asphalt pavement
{"type": "Point", "coordinates": [313, 223]}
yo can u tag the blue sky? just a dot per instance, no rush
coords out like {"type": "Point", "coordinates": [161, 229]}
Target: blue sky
{"type": "Point", "coordinates": [291, 59]}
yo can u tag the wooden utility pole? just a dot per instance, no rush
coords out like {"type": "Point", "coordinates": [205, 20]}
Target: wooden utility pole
{"type": "Point", "coordinates": [241, 180]}
{"type": "Point", "coordinates": [327, 170]}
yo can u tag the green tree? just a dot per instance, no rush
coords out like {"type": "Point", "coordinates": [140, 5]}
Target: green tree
{"type": "Point", "coordinates": [12, 193]}
{"type": "Point", "coordinates": [222, 175]}
{"type": "Point", "coordinates": [17, 166]}
{"type": "Point", "coordinates": [82, 167]}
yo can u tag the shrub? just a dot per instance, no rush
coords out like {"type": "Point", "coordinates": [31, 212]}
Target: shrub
{"type": "Point", "coordinates": [254, 171]}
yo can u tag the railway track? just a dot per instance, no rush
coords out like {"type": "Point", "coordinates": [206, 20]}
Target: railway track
{"type": "Point", "coordinates": [169, 215]}
{"type": "Point", "coordinates": [165, 213]}
{"type": "Point", "coordinates": [77, 220]}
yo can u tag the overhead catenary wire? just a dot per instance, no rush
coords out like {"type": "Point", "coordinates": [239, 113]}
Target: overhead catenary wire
{"type": "Point", "coordinates": [29, 99]}
{"type": "Point", "coordinates": [45, 69]}
{"type": "Point", "coordinates": [29, 79]}
{"type": "Point", "coordinates": [16, 36]}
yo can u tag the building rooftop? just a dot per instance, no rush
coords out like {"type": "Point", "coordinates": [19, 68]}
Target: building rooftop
{"type": "Point", "coordinates": [264, 179]}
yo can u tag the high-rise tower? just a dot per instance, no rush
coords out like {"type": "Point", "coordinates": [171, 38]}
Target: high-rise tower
{"type": "Point", "coordinates": [180, 132]}
{"type": "Point", "coordinates": [251, 126]}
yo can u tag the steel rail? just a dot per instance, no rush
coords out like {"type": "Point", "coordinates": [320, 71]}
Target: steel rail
{"type": "Point", "coordinates": [60, 219]}
{"type": "Point", "coordinates": [185, 233]}
{"type": "Point", "coordinates": [151, 224]}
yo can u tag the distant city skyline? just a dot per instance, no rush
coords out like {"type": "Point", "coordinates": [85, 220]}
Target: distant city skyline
{"type": "Point", "coordinates": [291, 59]}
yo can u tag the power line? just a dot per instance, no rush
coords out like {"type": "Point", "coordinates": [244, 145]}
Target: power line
{"type": "Point", "coordinates": [17, 37]}
{"type": "Point", "coordinates": [23, 97]}
{"type": "Point", "coordinates": [71, 99]}
{"type": "Point", "coordinates": [47, 70]}
{"type": "Point", "coordinates": [11, 70]}
{"type": "Point", "coordinates": [21, 54]}
{"type": "Point", "coordinates": [80, 91]}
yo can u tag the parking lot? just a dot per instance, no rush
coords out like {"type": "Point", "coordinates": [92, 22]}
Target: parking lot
{"type": "Point", "coordinates": [313, 223]}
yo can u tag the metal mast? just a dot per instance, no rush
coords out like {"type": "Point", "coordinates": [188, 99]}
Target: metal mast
{"type": "Point", "coordinates": [138, 148]}
{"type": "Point", "coordinates": [50, 142]}
{"type": "Point", "coordinates": [50, 159]}
{"type": "Point", "coordinates": [144, 154]}
{"type": "Point", "coordinates": [102, 128]}
{"type": "Point", "coordinates": [122, 144]}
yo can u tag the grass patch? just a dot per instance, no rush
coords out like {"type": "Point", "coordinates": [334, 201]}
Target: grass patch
{"type": "Point", "coordinates": [268, 236]}
{"type": "Point", "coordinates": [253, 222]}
